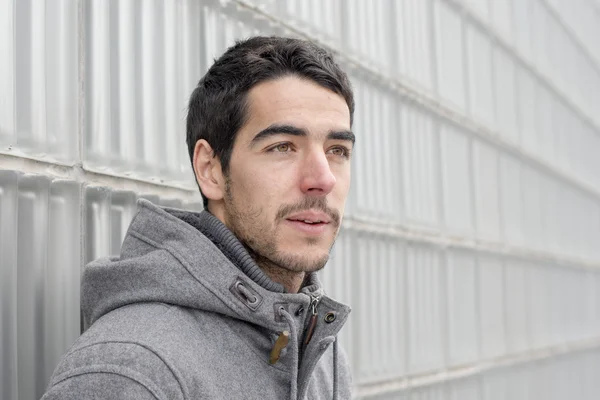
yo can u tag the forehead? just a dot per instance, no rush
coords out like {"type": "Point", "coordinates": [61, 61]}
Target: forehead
{"type": "Point", "coordinates": [295, 101]}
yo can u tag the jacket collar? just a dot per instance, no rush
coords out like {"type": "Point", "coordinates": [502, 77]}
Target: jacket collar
{"type": "Point", "coordinates": [243, 297]}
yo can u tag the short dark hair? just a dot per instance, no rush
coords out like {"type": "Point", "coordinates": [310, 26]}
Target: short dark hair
{"type": "Point", "coordinates": [218, 105]}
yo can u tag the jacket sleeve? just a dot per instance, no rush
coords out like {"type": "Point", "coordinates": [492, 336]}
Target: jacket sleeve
{"type": "Point", "coordinates": [99, 386]}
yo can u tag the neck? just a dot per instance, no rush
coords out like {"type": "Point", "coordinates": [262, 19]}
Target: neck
{"type": "Point", "coordinates": [291, 280]}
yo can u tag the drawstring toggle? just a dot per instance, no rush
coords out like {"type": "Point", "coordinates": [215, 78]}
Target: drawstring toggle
{"type": "Point", "coordinates": [281, 342]}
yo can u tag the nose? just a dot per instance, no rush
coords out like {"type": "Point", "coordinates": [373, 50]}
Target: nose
{"type": "Point", "coordinates": [317, 178]}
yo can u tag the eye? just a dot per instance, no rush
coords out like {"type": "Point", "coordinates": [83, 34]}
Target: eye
{"type": "Point", "coordinates": [340, 151]}
{"type": "Point", "coordinates": [282, 148]}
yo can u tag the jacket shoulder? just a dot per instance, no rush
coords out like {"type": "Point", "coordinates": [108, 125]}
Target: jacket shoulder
{"type": "Point", "coordinates": [113, 369]}
{"type": "Point", "coordinates": [120, 351]}
{"type": "Point", "coordinates": [100, 384]}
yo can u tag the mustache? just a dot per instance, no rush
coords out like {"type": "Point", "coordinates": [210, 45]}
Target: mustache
{"type": "Point", "coordinates": [309, 203]}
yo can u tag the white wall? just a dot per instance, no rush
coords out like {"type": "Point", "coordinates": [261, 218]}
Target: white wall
{"type": "Point", "coordinates": [470, 246]}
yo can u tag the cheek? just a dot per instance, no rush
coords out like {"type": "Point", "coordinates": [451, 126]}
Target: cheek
{"type": "Point", "coordinates": [343, 184]}
{"type": "Point", "coordinates": [257, 188]}
{"type": "Point", "coordinates": [270, 180]}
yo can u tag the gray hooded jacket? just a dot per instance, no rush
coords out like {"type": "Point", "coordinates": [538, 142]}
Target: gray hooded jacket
{"type": "Point", "coordinates": [185, 313]}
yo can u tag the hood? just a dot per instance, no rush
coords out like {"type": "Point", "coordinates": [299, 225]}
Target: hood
{"type": "Point", "coordinates": [165, 259]}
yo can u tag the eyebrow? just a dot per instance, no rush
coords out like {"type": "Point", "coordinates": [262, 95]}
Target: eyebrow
{"type": "Point", "coordinates": [284, 129]}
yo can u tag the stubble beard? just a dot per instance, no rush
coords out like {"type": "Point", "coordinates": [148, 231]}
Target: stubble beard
{"type": "Point", "coordinates": [248, 225]}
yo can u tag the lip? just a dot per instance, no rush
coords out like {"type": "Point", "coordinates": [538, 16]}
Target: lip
{"type": "Point", "coordinates": [309, 229]}
{"type": "Point", "coordinates": [310, 216]}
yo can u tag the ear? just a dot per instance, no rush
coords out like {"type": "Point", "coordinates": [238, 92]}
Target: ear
{"type": "Point", "coordinates": [207, 168]}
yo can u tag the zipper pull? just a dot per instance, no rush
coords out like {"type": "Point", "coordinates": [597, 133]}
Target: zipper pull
{"type": "Point", "coordinates": [313, 319]}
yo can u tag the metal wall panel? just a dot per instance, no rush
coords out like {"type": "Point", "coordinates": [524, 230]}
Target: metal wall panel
{"type": "Point", "coordinates": [61, 279]}
{"type": "Point", "coordinates": [479, 65]}
{"type": "Point", "coordinates": [558, 52]}
{"type": "Point", "coordinates": [491, 306]}
{"type": "Point", "coordinates": [40, 270]}
{"type": "Point", "coordinates": [457, 179]}
{"type": "Point", "coordinates": [389, 396]}
{"type": "Point", "coordinates": [8, 285]}
{"type": "Point", "coordinates": [420, 149]}
{"type": "Point", "coordinates": [462, 304]}
{"type": "Point", "coordinates": [526, 100]}
{"type": "Point", "coordinates": [7, 72]}
{"type": "Point", "coordinates": [414, 41]}
{"type": "Point", "coordinates": [501, 17]}
{"type": "Point", "coordinates": [437, 392]}
{"type": "Point", "coordinates": [542, 34]}
{"type": "Point", "coordinates": [519, 387]}
{"type": "Point", "coordinates": [469, 249]}
{"type": "Point", "coordinates": [131, 81]}
{"type": "Point", "coordinates": [505, 98]}
{"type": "Point", "coordinates": [382, 331]}
{"type": "Point", "coordinates": [530, 381]}
{"type": "Point", "coordinates": [532, 221]}
{"type": "Point", "coordinates": [324, 20]}
{"type": "Point", "coordinates": [425, 309]}
{"type": "Point", "coordinates": [450, 60]}
{"type": "Point", "coordinates": [510, 200]}
{"type": "Point", "coordinates": [368, 28]}
{"type": "Point", "coordinates": [495, 386]}
{"type": "Point", "coordinates": [583, 18]}
{"type": "Point", "coordinates": [32, 214]}
{"type": "Point", "coordinates": [482, 7]}
{"type": "Point", "coordinates": [522, 11]}
{"type": "Point", "coordinates": [516, 281]}
{"type": "Point", "coordinates": [541, 311]}
{"type": "Point", "coordinates": [465, 389]}
{"type": "Point", "coordinates": [39, 78]}
{"type": "Point", "coordinates": [486, 190]}
{"type": "Point", "coordinates": [378, 120]}
{"type": "Point", "coordinates": [545, 129]}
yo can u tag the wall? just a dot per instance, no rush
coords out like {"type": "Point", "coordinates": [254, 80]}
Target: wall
{"type": "Point", "coordinates": [469, 250]}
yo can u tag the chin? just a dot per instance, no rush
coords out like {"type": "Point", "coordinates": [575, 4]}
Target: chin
{"type": "Point", "coordinates": [300, 263]}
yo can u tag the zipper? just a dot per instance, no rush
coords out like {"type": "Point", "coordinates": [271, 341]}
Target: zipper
{"type": "Point", "coordinates": [314, 302]}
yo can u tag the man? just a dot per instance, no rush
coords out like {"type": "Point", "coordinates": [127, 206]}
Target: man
{"type": "Point", "coordinates": [226, 304]}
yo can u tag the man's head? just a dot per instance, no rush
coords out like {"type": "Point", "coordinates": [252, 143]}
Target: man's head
{"type": "Point", "coordinates": [268, 131]}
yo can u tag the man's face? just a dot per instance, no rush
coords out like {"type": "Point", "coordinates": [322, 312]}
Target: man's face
{"type": "Point", "coordinates": [289, 173]}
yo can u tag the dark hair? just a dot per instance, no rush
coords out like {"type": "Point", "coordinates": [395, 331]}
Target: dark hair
{"type": "Point", "coordinates": [218, 106]}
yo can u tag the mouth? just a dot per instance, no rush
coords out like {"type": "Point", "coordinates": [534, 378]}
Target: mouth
{"type": "Point", "coordinates": [310, 222]}
{"type": "Point", "coordinates": [312, 228]}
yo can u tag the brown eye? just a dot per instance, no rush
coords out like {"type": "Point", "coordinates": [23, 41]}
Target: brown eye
{"type": "Point", "coordinates": [282, 148]}
{"type": "Point", "coordinates": [339, 151]}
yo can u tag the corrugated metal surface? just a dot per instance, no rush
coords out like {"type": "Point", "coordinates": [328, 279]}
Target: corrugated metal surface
{"type": "Point", "coordinates": [40, 263]}
{"type": "Point", "coordinates": [469, 250]}
{"type": "Point", "coordinates": [38, 77]}
{"type": "Point", "coordinates": [137, 87]}
{"type": "Point", "coordinates": [425, 320]}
